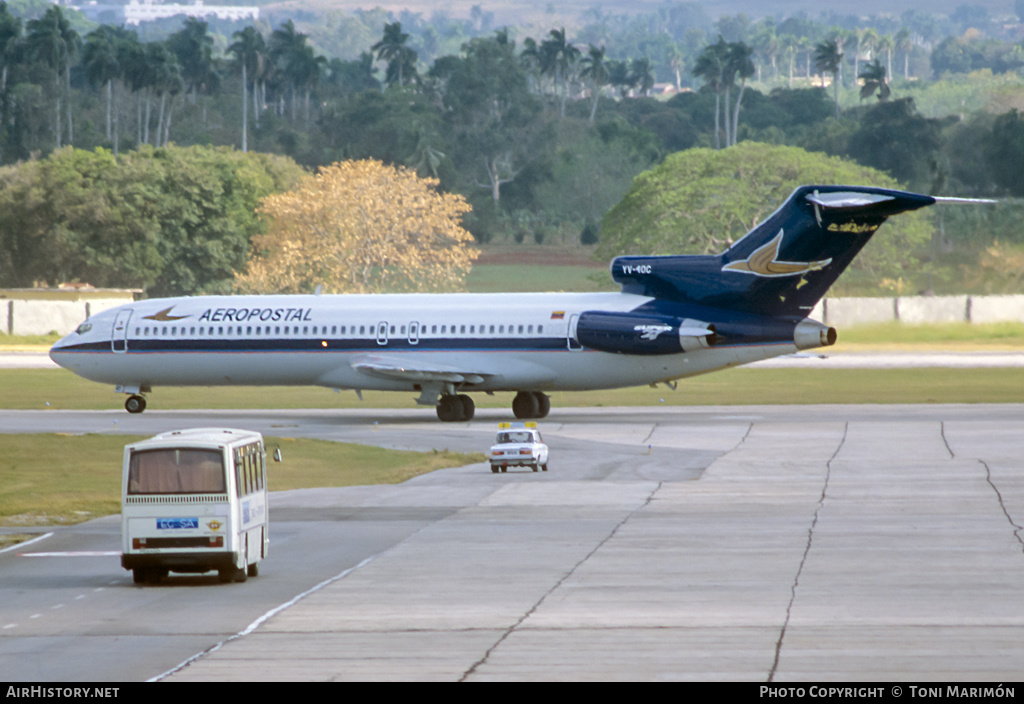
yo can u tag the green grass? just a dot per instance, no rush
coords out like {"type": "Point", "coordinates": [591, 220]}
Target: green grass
{"type": "Point", "coordinates": [49, 479]}
{"type": "Point", "coordinates": [46, 389]}
{"type": "Point", "coordinates": [960, 336]}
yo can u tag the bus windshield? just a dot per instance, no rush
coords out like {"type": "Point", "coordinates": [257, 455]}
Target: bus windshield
{"type": "Point", "coordinates": [176, 471]}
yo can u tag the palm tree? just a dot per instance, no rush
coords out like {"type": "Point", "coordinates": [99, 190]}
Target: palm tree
{"type": "Point", "coordinates": [904, 42]}
{"type": "Point", "coordinates": [767, 44]}
{"type": "Point", "coordinates": [287, 50]}
{"type": "Point", "coordinates": [676, 62]}
{"type": "Point", "coordinates": [618, 75]}
{"type": "Point", "coordinates": [558, 57]}
{"type": "Point", "coordinates": [99, 55]}
{"type": "Point", "coordinates": [250, 52]}
{"type": "Point", "coordinates": [194, 49]}
{"type": "Point", "coordinates": [595, 69]}
{"type": "Point", "coordinates": [740, 64]}
{"type": "Point", "coordinates": [166, 79]}
{"type": "Point", "coordinates": [307, 69]}
{"type": "Point", "coordinates": [710, 67]}
{"type": "Point", "coordinates": [10, 34]}
{"type": "Point", "coordinates": [401, 60]}
{"type": "Point", "coordinates": [788, 48]}
{"type": "Point", "coordinates": [52, 41]}
{"type": "Point", "coordinates": [874, 80]}
{"type": "Point", "coordinates": [886, 46]}
{"type": "Point", "coordinates": [828, 58]}
{"type": "Point", "coordinates": [641, 74]}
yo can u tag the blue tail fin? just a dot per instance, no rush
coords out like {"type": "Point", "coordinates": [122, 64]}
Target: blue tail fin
{"type": "Point", "coordinates": [785, 264]}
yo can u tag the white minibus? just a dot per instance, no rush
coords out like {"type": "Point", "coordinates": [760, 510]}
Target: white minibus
{"type": "Point", "coordinates": [193, 501]}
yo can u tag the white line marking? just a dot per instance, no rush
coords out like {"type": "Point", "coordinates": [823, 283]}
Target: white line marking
{"type": "Point", "coordinates": [83, 553]}
{"type": "Point", "coordinates": [258, 622]}
{"type": "Point", "coordinates": [18, 546]}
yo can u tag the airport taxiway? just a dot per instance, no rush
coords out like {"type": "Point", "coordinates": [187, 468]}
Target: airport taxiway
{"type": "Point", "coordinates": [734, 543]}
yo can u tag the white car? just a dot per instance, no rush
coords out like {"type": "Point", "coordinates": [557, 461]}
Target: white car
{"type": "Point", "coordinates": [518, 445]}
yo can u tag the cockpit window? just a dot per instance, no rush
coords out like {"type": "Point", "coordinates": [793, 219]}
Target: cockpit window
{"type": "Point", "coordinates": [83, 328]}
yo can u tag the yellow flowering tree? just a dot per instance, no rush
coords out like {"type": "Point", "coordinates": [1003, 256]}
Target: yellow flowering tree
{"type": "Point", "coordinates": [360, 227]}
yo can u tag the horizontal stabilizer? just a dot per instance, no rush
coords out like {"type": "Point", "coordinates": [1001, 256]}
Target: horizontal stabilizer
{"type": "Point", "coordinates": [847, 200]}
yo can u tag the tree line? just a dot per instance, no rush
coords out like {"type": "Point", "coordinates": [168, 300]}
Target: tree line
{"type": "Point", "coordinates": [542, 135]}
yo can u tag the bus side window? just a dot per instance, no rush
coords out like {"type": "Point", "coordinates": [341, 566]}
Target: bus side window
{"type": "Point", "coordinates": [239, 474]}
{"type": "Point", "coordinates": [251, 465]}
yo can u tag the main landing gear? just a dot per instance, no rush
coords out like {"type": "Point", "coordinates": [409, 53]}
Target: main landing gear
{"type": "Point", "coordinates": [453, 408]}
{"type": "Point", "coordinates": [135, 404]}
{"type": "Point", "coordinates": [531, 404]}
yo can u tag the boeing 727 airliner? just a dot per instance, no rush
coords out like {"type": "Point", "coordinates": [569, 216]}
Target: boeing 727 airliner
{"type": "Point", "coordinates": [675, 317]}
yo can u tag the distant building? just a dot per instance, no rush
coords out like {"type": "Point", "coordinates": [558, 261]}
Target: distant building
{"type": "Point", "coordinates": [136, 12]}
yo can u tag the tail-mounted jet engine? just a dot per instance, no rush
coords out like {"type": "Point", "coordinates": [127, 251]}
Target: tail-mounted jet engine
{"type": "Point", "coordinates": [633, 333]}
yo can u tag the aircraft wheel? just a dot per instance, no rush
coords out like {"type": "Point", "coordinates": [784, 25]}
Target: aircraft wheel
{"type": "Point", "coordinates": [448, 409]}
{"type": "Point", "coordinates": [468, 407]}
{"type": "Point", "coordinates": [135, 404]}
{"type": "Point", "coordinates": [525, 405]}
{"type": "Point", "coordinates": [494, 469]}
{"type": "Point", "coordinates": [535, 468]}
{"type": "Point", "coordinates": [544, 467]}
{"type": "Point", "coordinates": [543, 404]}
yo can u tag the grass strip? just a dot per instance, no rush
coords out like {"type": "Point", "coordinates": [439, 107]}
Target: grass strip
{"type": "Point", "coordinates": [59, 479]}
{"type": "Point", "coordinates": [52, 389]}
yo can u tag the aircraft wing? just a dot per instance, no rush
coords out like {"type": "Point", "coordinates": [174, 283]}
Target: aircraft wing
{"type": "Point", "coordinates": [405, 369]}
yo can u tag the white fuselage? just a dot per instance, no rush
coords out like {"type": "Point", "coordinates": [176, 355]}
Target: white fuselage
{"type": "Point", "coordinates": [485, 342]}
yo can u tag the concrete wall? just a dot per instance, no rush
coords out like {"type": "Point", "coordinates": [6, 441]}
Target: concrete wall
{"type": "Point", "coordinates": [22, 316]}
{"type": "Point", "coordinates": [915, 310]}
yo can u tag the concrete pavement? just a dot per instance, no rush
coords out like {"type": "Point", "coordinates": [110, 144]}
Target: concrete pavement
{"type": "Point", "coordinates": [825, 543]}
